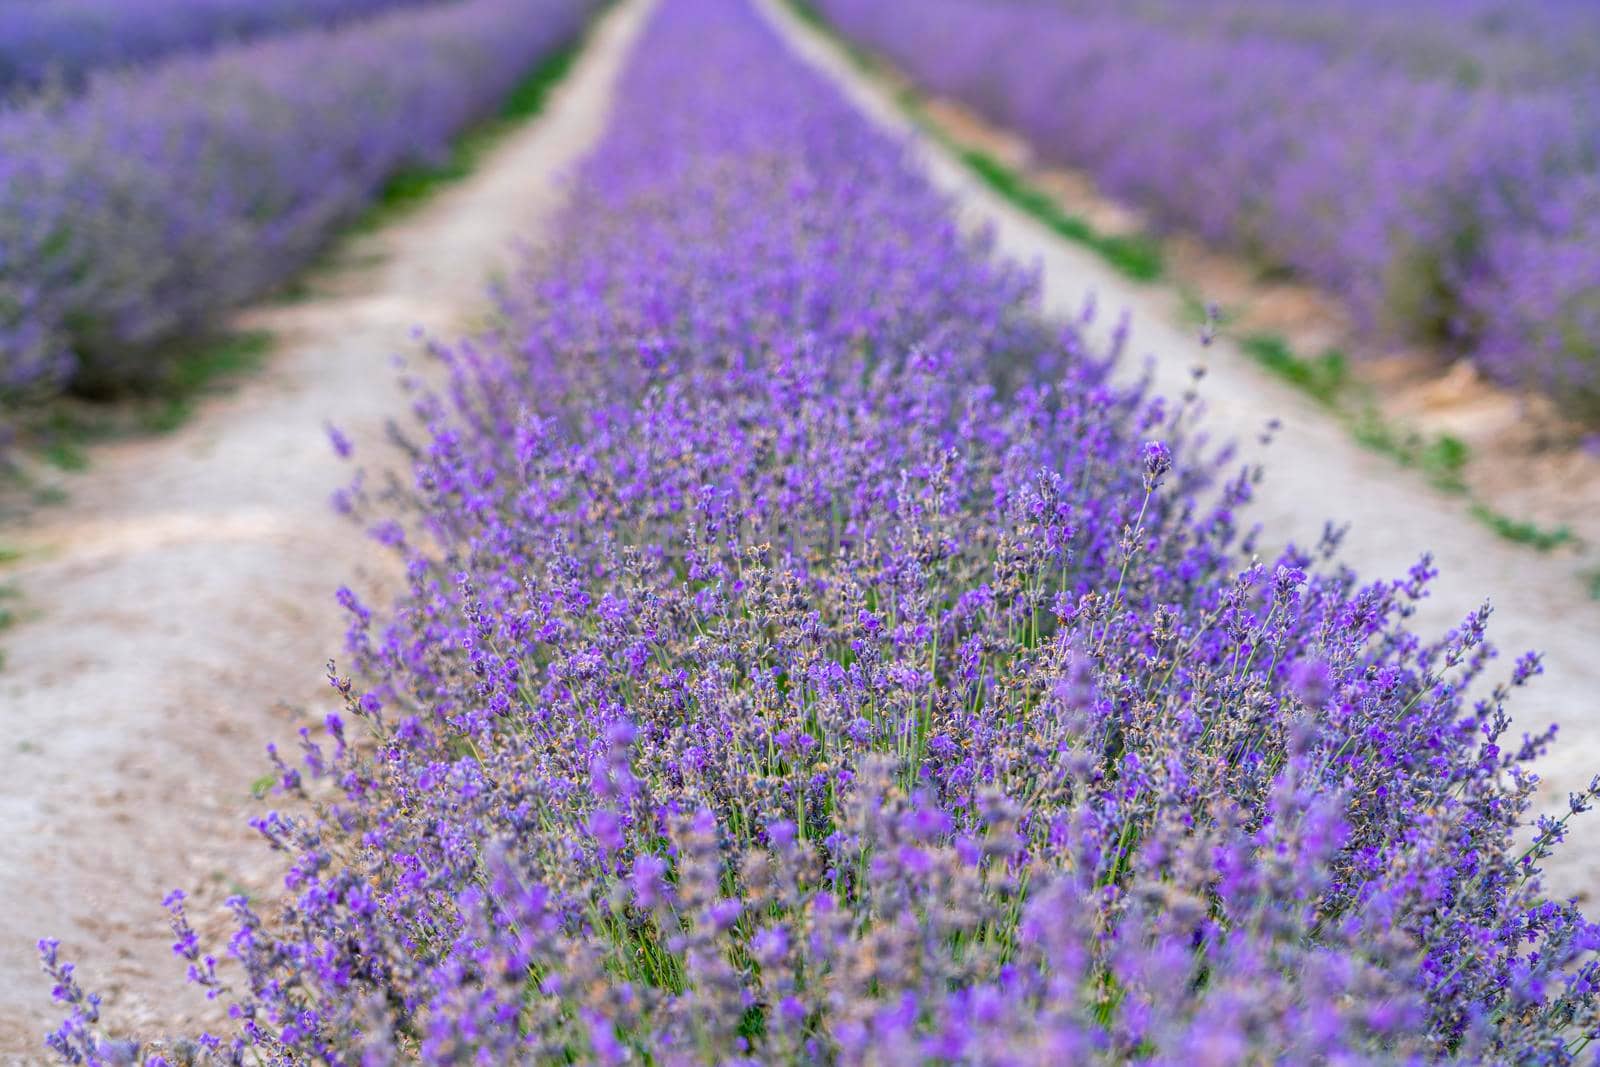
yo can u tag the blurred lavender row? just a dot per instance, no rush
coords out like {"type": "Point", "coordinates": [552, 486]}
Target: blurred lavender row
{"type": "Point", "coordinates": [1434, 163]}
{"type": "Point", "coordinates": [810, 656]}
{"type": "Point", "coordinates": [67, 40]}
{"type": "Point", "coordinates": [1499, 42]}
{"type": "Point", "coordinates": [135, 213]}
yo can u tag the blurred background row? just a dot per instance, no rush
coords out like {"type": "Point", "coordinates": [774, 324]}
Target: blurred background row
{"type": "Point", "coordinates": [1435, 162]}
{"type": "Point", "coordinates": [162, 161]}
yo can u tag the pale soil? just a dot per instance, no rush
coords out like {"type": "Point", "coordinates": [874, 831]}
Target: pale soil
{"type": "Point", "coordinates": [1317, 472]}
{"type": "Point", "coordinates": [177, 608]}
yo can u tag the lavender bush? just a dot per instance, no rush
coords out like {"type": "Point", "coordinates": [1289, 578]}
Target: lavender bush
{"type": "Point", "coordinates": [811, 657]}
{"type": "Point", "coordinates": [1407, 156]}
{"type": "Point", "coordinates": [67, 40]}
{"type": "Point", "coordinates": [139, 210]}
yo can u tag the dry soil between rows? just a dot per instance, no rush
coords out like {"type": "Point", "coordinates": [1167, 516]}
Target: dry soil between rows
{"type": "Point", "coordinates": [177, 608]}
{"type": "Point", "coordinates": [1315, 471]}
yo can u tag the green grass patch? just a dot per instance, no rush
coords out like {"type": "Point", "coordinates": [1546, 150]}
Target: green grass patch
{"type": "Point", "coordinates": [199, 371]}
{"type": "Point", "coordinates": [9, 595]}
{"type": "Point", "coordinates": [66, 446]}
{"type": "Point", "coordinates": [1373, 431]}
{"type": "Point", "coordinates": [1196, 312]}
{"type": "Point", "coordinates": [1135, 256]}
{"type": "Point", "coordinates": [64, 433]}
{"type": "Point", "coordinates": [1521, 531]}
{"type": "Point", "coordinates": [1444, 461]}
{"type": "Point", "coordinates": [1592, 583]}
{"type": "Point", "coordinates": [807, 12]}
{"type": "Point", "coordinates": [530, 95]}
{"type": "Point", "coordinates": [1442, 458]}
{"type": "Point", "coordinates": [1322, 378]}
{"type": "Point", "coordinates": [409, 188]}
{"type": "Point", "coordinates": [1009, 184]}
{"type": "Point", "coordinates": [61, 431]}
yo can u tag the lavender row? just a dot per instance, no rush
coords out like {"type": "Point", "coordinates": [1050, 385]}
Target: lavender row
{"type": "Point", "coordinates": [65, 41]}
{"type": "Point", "coordinates": [809, 656]}
{"type": "Point", "coordinates": [1471, 42]}
{"type": "Point", "coordinates": [135, 213]}
{"type": "Point", "coordinates": [1443, 208]}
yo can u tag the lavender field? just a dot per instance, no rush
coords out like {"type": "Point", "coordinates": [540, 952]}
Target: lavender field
{"type": "Point", "coordinates": [62, 42]}
{"type": "Point", "coordinates": [773, 626]}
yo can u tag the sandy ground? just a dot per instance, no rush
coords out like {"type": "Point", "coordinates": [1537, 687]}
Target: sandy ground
{"type": "Point", "coordinates": [1316, 472]}
{"type": "Point", "coordinates": [177, 608]}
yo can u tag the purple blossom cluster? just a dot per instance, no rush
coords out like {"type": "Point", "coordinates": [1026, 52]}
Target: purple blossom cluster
{"type": "Point", "coordinates": [809, 656]}
{"type": "Point", "coordinates": [140, 209]}
{"type": "Point", "coordinates": [1433, 162]}
{"type": "Point", "coordinates": [67, 40]}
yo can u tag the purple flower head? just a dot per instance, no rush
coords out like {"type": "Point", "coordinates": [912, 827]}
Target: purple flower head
{"type": "Point", "coordinates": [1157, 462]}
{"type": "Point", "coordinates": [341, 444]}
{"type": "Point", "coordinates": [1312, 681]}
{"type": "Point", "coordinates": [606, 829]}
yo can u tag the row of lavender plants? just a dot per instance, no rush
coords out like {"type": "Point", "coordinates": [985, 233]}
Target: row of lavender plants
{"type": "Point", "coordinates": [811, 656]}
{"type": "Point", "coordinates": [64, 41]}
{"type": "Point", "coordinates": [1473, 42]}
{"type": "Point", "coordinates": [1454, 206]}
{"type": "Point", "coordinates": [136, 212]}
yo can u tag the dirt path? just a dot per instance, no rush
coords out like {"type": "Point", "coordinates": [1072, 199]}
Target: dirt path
{"type": "Point", "coordinates": [177, 609]}
{"type": "Point", "coordinates": [1316, 472]}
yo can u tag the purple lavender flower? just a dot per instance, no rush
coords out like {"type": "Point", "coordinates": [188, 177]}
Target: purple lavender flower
{"type": "Point", "coordinates": [1157, 462]}
{"type": "Point", "coordinates": [1312, 681]}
